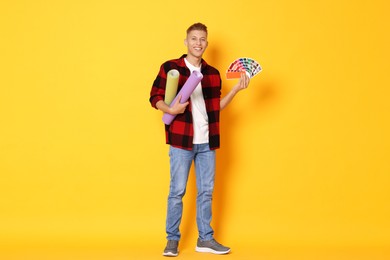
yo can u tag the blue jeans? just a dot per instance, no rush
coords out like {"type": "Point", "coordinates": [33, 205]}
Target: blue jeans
{"type": "Point", "coordinates": [180, 164]}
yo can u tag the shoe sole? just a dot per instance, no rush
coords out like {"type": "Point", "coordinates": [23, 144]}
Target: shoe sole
{"type": "Point", "coordinates": [170, 254]}
{"type": "Point", "coordinates": [209, 250]}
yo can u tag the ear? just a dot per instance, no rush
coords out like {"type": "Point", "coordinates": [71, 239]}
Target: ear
{"type": "Point", "coordinates": [185, 42]}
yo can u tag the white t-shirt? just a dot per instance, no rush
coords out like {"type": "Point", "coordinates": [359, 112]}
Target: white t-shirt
{"type": "Point", "coordinates": [199, 114]}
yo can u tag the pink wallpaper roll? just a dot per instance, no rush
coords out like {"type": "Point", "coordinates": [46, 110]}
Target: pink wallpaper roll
{"type": "Point", "coordinates": [185, 93]}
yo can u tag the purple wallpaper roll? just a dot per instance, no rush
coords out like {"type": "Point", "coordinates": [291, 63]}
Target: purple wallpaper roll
{"type": "Point", "coordinates": [185, 93]}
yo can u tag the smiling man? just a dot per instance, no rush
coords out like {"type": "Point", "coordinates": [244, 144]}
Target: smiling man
{"type": "Point", "coordinates": [193, 136]}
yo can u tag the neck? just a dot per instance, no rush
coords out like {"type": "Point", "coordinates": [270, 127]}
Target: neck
{"type": "Point", "coordinates": [195, 61]}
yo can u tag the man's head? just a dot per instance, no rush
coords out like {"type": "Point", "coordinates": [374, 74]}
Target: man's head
{"type": "Point", "coordinates": [196, 40]}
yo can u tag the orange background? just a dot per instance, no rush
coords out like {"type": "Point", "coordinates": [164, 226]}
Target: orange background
{"type": "Point", "coordinates": [304, 164]}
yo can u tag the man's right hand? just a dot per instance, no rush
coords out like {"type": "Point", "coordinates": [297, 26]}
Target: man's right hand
{"type": "Point", "coordinates": [178, 108]}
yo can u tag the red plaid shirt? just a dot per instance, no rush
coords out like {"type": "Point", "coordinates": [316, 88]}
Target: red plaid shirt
{"type": "Point", "coordinates": [180, 132]}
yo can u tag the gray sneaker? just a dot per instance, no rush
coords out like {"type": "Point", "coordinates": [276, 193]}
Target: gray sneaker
{"type": "Point", "coordinates": [171, 248]}
{"type": "Point", "coordinates": [211, 246]}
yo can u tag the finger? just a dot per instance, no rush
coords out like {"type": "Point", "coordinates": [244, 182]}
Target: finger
{"type": "Point", "coordinates": [242, 80]}
{"type": "Point", "coordinates": [245, 82]}
{"type": "Point", "coordinates": [178, 99]}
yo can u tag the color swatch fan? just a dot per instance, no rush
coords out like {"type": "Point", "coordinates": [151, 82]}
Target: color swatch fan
{"type": "Point", "coordinates": [250, 66]}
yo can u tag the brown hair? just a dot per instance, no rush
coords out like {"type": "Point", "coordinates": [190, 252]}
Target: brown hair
{"type": "Point", "coordinates": [197, 26]}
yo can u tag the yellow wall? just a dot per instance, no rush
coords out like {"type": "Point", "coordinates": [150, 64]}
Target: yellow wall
{"type": "Point", "coordinates": [305, 149]}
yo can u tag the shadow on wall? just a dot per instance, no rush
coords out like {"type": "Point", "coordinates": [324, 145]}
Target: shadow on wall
{"type": "Point", "coordinates": [265, 95]}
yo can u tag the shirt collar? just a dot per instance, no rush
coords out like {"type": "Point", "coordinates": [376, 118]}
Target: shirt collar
{"type": "Point", "coordinates": [182, 62]}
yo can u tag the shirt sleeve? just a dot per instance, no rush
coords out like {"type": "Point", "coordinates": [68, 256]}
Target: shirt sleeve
{"type": "Point", "coordinates": [157, 92]}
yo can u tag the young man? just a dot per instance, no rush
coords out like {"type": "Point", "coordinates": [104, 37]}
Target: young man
{"type": "Point", "coordinates": [193, 136]}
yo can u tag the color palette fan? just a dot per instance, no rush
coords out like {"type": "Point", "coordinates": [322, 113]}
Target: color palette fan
{"type": "Point", "coordinates": [248, 65]}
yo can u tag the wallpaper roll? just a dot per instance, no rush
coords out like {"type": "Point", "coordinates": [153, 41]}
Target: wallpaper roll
{"type": "Point", "coordinates": [185, 93]}
{"type": "Point", "coordinates": [171, 85]}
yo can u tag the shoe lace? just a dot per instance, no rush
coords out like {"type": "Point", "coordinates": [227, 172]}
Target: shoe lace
{"type": "Point", "coordinates": [215, 243]}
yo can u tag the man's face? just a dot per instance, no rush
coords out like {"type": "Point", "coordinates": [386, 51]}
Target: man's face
{"type": "Point", "coordinates": [196, 43]}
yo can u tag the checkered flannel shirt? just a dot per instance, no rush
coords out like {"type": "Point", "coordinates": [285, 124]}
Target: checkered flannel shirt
{"type": "Point", "coordinates": [180, 132]}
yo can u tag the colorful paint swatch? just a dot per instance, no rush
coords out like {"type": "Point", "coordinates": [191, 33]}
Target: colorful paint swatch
{"type": "Point", "coordinates": [240, 65]}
